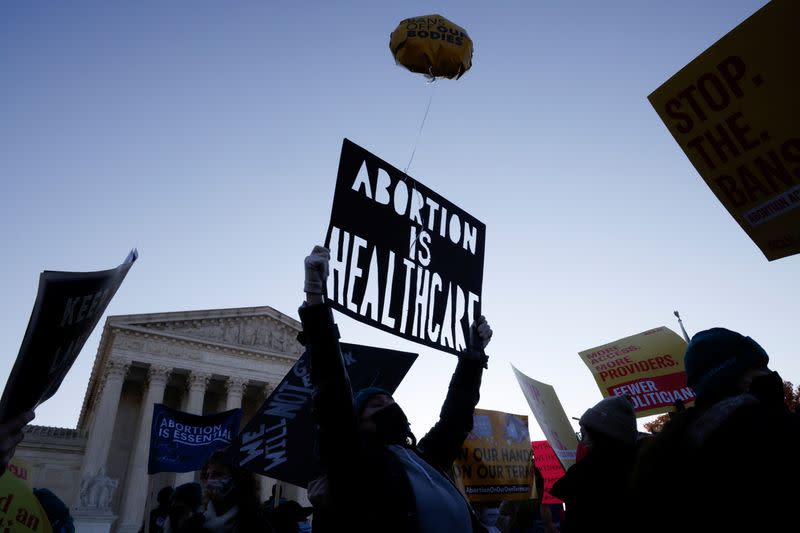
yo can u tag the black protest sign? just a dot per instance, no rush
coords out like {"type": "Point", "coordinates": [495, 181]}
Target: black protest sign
{"type": "Point", "coordinates": [403, 258]}
{"type": "Point", "coordinates": [280, 440]}
{"type": "Point", "coordinates": [68, 307]}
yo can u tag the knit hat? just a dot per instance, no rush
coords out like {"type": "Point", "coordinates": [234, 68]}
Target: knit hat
{"type": "Point", "coordinates": [189, 494]}
{"type": "Point", "coordinates": [56, 510]}
{"type": "Point", "coordinates": [614, 418]}
{"type": "Point", "coordinates": [717, 357]}
{"type": "Point", "coordinates": [362, 397]}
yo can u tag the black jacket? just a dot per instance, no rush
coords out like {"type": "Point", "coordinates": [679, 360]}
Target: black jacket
{"type": "Point", "coordinates": [368, 489]}
{"type": "Point", "coordinates": [733, 465]}
{"type": "Point", "coordinates": [595, 491]}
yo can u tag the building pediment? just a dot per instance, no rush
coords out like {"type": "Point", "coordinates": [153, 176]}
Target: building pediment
{"type": "Point", "coordinates": [262, 329]}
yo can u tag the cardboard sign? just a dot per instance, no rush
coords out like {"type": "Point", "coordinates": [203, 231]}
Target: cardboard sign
{"type": "Point", "coordinates": [403, 258]}
{"type": "Point", "coordinates": [550, 415]}
{"type": "Point", "coordinates": [495, 460]}
{"type": "Point", "coordinates": [734, 111]}
{"type": "Point", "coordinates": [68, 307]}
{"type": "Point", "coordinates": [280, 440]}
{"type": "Point", "coordinates": [648, 367]}
{"type": "Point", "coordinates": [548, 464]}
{"type": "Point", "coordinates": [181, 442]}
{"type": "Point", "coordinates": [20, 510]}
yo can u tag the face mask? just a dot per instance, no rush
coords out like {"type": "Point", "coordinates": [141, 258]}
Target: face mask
{"type": "Point", "coordinates": [220, 487]}
{"type": "Point", "coordinates": [768, 388]}
{"type": "Point", "coordinates": [391, 424]}
{"type": "Point", "coordinates": [304, 527]}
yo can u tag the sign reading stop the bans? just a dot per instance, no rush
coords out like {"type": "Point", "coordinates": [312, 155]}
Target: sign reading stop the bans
{"type": "Point", "coordinates": [735, 112]}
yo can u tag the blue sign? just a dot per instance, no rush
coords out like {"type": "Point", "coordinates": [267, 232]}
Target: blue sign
{"type": "Point", "coordinates": [181, 442]}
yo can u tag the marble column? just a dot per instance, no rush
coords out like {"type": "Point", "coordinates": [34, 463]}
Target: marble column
{"type": "Point", "coordinates": [135, 495]}
{"type": "Point", "coordinates": [197, 383]}
{"type": "Point", "coordinates": [235, 387]}
{"type": "Point", "coordinates": [105, 414]}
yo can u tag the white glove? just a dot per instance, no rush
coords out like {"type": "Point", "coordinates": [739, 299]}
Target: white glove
{"type": "Point", "coordinates": [484, 332]}
{"type": "Point", "coordinates": [316, 266]}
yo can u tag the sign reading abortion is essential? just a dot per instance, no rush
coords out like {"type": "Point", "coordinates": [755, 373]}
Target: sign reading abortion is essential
{"type": "Point", "coordinates": [181, 442]}
{"type": "Point", "coordinates": [403, 258]}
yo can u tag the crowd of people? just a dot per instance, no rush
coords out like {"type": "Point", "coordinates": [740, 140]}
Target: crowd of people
{"type": "Point", "coordinates": [728, 463]}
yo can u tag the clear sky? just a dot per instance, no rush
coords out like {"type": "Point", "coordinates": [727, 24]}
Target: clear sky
{"type": "Point", "coordinates": [207, 134]}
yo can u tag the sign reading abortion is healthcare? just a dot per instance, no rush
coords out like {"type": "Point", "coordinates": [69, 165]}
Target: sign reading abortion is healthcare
{"type": "Point", "coordinates": [403, 258]}
{"type": "Point", "coordinates": [181, 442]}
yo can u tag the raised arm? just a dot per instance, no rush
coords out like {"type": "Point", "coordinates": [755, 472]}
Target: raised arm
{"type": "Point", "coordinates": [333, 401]}
{"type": "Point", "coordinates": [442, 444]}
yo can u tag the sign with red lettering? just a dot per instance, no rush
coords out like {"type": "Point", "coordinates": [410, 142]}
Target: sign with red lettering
{"type": "Point", "coordinates": [544, 458]}
{"type": "Point", "coordinates": [648, 367]}
{"type": "Point", "coordinates": [734, 111]}
{"type": "Point", "coordinates": [403, 258]}
{"type": "Point", "coordinates": [549, 413]}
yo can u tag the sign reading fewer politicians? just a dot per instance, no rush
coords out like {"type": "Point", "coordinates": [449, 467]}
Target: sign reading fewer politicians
{"type": "Point", "coordinates": [735, 112]}
{"type": "Point", "coordinates": [181, 442]}
{"type": "Point", "coordinates": [648, 367]}
{"type": "Point", "coordinates": [280, 440]}
{"type": "Point", "coordinates": [495, 461]}
{"type": "Point", "coordinates": [403, 258]}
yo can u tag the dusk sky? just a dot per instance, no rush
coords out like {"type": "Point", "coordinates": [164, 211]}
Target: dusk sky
{"type": "Point", "coordinates": [207, 134]}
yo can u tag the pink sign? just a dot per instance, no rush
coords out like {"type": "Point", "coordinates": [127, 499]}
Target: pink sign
{"type": "Point", "coordinates": [548, 464]}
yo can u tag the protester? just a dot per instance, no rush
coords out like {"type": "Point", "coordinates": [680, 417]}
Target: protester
{"type": "Point", "coordinates": [11, 434]}
{"type": "Point", "coordinates": [596, 487]}
{"type": "Point", "coordinates": [56, 510]}
{"type": "Point", "coordinates": [290, 517]}
{"type": "Point", "coordinates": [159, 515]}
{"type": "Point", "coordinates": [233, 500]}
{"type": "Point", "coordinates": [738, 443]}
{"type": "Point", "coordinates": [378, 478]}
{"type": "Point", "coordinates": [184, 512]}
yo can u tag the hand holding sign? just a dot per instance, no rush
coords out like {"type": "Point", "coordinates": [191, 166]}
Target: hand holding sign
{"type": "Point", "coordinates": [316, 266]}
{"type": "Point", "coordinates": [11, 435]}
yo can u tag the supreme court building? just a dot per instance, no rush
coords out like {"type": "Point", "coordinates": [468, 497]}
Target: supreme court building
{"type": "Point", "coordinates": [200, 362]}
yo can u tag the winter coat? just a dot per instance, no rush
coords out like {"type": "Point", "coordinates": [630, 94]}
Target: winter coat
{"type": "Point", "coordinates": [595, 491]}
{"type": "Point", "coordinates": [366, 484]}
{"type": "Point", "coordinates": [733, 465]}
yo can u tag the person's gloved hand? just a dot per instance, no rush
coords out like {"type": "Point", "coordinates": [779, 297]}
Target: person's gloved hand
{"type": "Point", "coordinates": [479, 336]}
{"type": "Point", "coordinates": [481, 329]}
{"type": "Point", "coordinates": [316, 266]}
{"type": "Point", "coordinates": [10, 435]}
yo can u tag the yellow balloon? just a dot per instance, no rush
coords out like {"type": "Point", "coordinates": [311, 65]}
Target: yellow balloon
{"type": "Point", "coordinates": [432, 45]}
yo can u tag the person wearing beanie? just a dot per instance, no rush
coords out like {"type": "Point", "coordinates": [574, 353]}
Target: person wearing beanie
{"type": "Point", "coordinates": [377, 476]}
{"type": "Point", "coordinates": [739, 436]}
{"type": "Point", "coordinates": [596, 486]}
{"type": "Point", "coordinates": [56, 510]}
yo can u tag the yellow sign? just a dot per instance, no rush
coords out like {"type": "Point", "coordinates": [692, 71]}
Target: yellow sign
{"type": "Point", "coordinates": [21, 469]}
{"type": "Point", "coordinates": [735, 112]}
{"type": "Point", "coordinates": [20, 511]}
{"type": "Point", "coordinates": [648, 367]}
{"type": "Point", "coordinates": [547, 409]}
{"type": "Point", "coordinates": [495, 460]}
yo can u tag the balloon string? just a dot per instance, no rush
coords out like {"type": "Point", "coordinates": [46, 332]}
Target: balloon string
{"type": "Point", "coordinates": [414, 151]}
{"type": "Point", "coordinates": [421, 126]}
